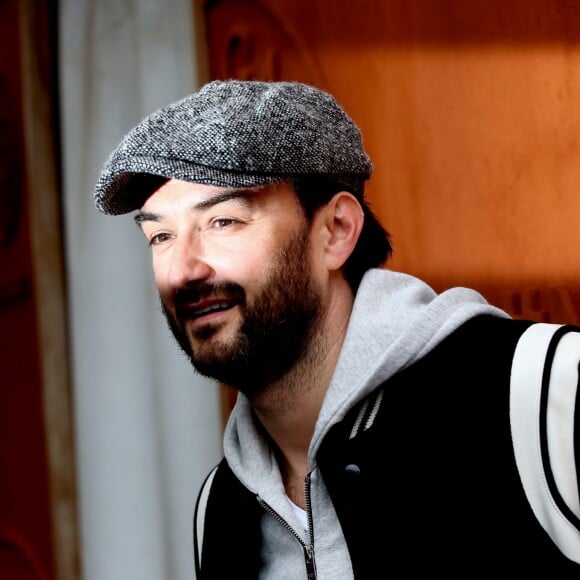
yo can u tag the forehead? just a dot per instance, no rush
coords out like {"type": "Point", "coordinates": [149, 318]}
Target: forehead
{"type": "Point", "coordinates": [175, 194]}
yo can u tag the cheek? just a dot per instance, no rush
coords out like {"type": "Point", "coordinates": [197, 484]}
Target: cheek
{"type": "Point", "coordinates": [314, 258]}
{"type": "Point", "coordinates": [247, 258]}
{"type": "Point", "coordinates": [161, 275]}
{"type": "Point", "coordinates": [163, 288]}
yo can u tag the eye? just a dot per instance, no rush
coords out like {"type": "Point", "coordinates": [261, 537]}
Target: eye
{"type": "Point", "coordinates": [223, 222]}
{"type": "Point", "coordinates": [159, 238]}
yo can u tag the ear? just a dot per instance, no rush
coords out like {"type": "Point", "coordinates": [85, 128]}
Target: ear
{"type": "Point", "coordinates": [341, 223]}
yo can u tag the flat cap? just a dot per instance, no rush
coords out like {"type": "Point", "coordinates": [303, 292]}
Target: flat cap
{"type": "Point", "coordinates": [234, 134]}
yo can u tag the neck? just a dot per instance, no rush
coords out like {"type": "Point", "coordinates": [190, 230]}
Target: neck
{"type": "Point", "coordinates": [288, 409]}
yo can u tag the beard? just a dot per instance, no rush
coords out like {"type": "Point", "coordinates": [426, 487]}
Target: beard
{"type": "Point", "coordinates": [276, 330]}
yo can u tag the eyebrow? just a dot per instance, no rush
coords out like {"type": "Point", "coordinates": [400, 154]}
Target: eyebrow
{"type": "Point", "coordinates": [242, 195]}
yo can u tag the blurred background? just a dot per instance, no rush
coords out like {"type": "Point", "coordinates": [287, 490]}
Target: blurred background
{"type": "Point", "coordinates": [469, 111]}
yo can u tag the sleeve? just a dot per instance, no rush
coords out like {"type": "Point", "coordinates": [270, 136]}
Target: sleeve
{"type": "Point", "coordinates": [545, 428]}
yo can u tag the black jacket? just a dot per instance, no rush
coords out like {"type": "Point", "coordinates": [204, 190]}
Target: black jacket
{"type": "Point", "coordinates": [431, 487]}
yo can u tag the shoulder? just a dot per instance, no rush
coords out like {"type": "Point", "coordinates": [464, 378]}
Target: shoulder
{"type": "Point", "coordinates": [221, 491]}
{"type": "Point", "coordinates": [488, 347]}
{"type": "Point", "coordinates": [486, 333]}
{"type": "Point", "coordinates": [224, 503]}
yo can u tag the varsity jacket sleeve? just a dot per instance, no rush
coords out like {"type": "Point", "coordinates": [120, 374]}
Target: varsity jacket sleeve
{"type": "Point", "coordinates": [544, 422]}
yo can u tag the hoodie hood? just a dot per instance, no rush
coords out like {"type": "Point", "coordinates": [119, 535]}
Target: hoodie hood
{"type": "Point", "coordinates": [396, 320]}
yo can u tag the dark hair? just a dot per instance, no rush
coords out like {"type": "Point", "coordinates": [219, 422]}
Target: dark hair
{"type": "Point", "coordinates": [373, 247]}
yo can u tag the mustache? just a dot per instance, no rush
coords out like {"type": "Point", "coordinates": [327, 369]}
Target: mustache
{"type": "Point", "coordinates": [185, 297]}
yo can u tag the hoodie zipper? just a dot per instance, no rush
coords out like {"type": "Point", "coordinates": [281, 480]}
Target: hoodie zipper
{"type": "Point", "coordinates": [308, 549]}
{"type": "Point", "coordinates": [310, 561]}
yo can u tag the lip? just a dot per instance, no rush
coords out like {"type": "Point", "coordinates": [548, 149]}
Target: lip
{"type": "Point", "coordinates": [207, 310]}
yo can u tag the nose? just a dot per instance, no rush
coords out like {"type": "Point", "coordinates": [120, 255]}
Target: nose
{"type": "Point", "coordinates": [187, 263]}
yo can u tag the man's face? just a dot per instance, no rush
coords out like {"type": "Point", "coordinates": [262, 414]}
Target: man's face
{"type": "Point", "coordinates": [235, 278]}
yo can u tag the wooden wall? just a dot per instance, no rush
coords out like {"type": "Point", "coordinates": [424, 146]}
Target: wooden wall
{"type": "Point", "coordinates": [471, 114]}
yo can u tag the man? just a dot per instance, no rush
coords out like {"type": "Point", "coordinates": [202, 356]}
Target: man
{"type": "Point", "coordinates": [381, 430]}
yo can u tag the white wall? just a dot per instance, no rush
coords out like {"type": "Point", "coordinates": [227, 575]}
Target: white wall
{"type": "Point", "coordinates": [147, 427]}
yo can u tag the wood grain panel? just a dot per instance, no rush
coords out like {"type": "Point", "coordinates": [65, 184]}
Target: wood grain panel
{"type": "Point", "coordinates": [470, 114]}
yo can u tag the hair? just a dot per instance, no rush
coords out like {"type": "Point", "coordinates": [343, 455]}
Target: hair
{"type": "Point", "coordinates": [373, 247]}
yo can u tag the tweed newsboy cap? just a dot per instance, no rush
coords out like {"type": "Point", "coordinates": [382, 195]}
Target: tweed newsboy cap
{"type": "Point", "coordinates": [234, 134]}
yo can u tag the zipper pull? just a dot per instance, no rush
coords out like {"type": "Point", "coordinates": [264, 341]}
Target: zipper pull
{"type": "Point", "coordinates": [310, 562]}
